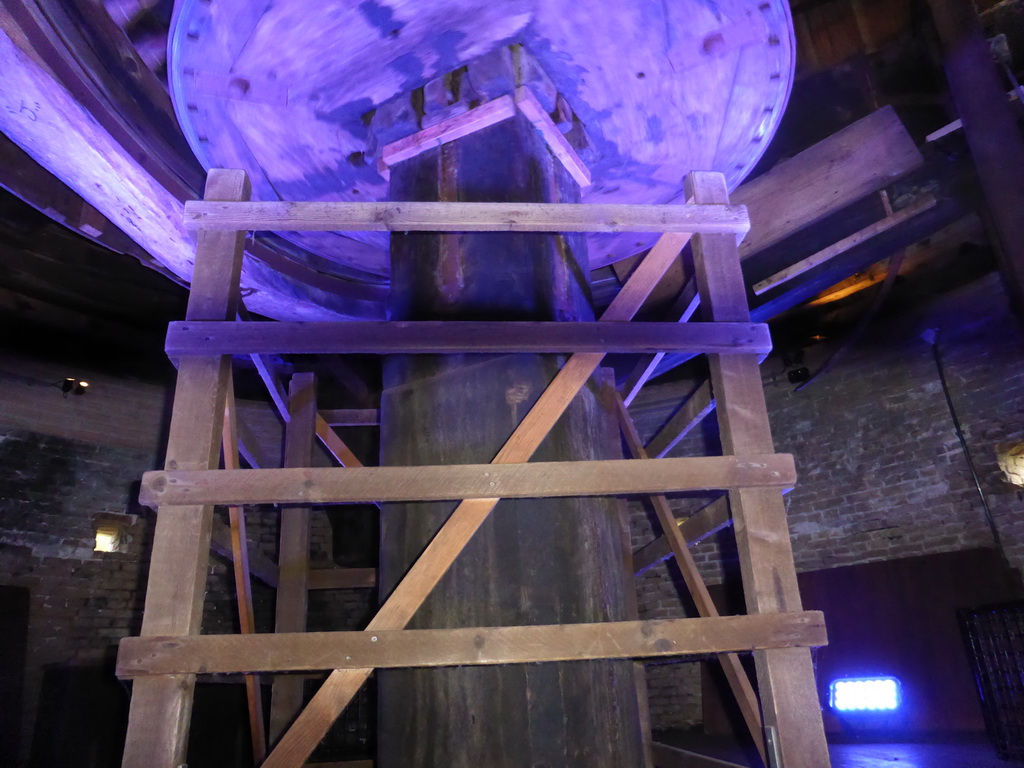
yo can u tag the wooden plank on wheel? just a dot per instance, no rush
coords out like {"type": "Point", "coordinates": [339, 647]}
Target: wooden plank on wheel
{"type": "Point", "coordinates": [160, 708]}
{"type": "Point", "coordinates": [789, 697]}
{"type": "Point", "coordinates": [398, 648]}
{"type": "Point", "coordinates": [341, 685]}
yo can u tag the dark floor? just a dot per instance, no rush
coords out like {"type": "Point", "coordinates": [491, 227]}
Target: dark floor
{"type": "Point", "coordinates": [961, 752]}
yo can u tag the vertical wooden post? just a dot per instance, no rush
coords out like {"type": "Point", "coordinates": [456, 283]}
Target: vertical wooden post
{"type": "Point", "coordinates": [293, 556]}
{"type": "Point", "coordinates": [161, 707]}
{"type": "Point", "coordinates": [789, 700]}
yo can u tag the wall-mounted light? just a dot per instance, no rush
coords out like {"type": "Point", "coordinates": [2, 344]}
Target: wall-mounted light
{"type": "Point", "coordinates": [71, 385]}
{"type": "Point", "coordinates": [1011, 460]}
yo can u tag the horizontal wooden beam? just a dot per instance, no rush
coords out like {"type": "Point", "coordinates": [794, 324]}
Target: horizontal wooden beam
{"type": "Point", "coordinates": [435, 337]}
{"type": "Point", "coordinates": [466, 481]}
{"type": "Point", "coordinates": [342, 578]}
{"type": "Point", "coordinates": [465, 217]}
{"type": "Point", "coordinates": [351, 417]}
{"type": "Point", "coordinates": [386, 649]}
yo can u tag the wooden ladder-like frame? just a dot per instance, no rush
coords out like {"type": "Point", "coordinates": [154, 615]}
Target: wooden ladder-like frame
{"type": "Point", "coordinates": [164, 661]}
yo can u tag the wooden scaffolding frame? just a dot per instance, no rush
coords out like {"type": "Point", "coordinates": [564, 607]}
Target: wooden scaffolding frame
{"type": "Point", "coordinates": [164, 661]}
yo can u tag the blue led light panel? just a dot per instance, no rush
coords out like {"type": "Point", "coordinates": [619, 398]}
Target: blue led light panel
{"type": "Point", "coordinates": [858, 694]}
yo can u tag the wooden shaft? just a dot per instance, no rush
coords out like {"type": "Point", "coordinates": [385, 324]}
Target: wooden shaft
{"type": "Point", "coordinates": [160, 708]}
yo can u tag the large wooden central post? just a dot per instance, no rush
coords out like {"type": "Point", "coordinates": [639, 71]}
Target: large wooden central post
{"type": "Point", "coordinates": [533, 561]}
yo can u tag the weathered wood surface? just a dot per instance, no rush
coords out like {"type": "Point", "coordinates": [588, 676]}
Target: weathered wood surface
{"type": "Point", "coordinates": [260, 566]}
{"type": "Point", "coordinates": [295, 80]}
{"type": "Point", "coordinates": [691, 413]}
{"type": "Point", "coordinates": [466, 217]}
{"type": "Point", "coordinates": [857, 161]}
{"type": "Point", "coordinates": [384, 649]}
{"type": "Point", "coordinates": [160, 709]}
{"type": "Point", "coordinates": [789, 697]}
{"type": "Point", "coordinates": [452, 336]}
{"type": "Point", "coordinates": [536, 479]}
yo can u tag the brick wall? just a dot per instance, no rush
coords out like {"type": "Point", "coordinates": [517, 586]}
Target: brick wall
{"type": "Point", "coordinates": [881, 473]}
{"type": "Point", "coordinates": [70, 463]}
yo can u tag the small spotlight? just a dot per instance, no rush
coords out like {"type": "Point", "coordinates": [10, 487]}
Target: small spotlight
{"type": "Point", "coordinates": [67, 386]}
{"type": "Point", "coordinates": [858, 694]}
{"type": "Point", "coordinates": [81, 387]}
{"type": "Point", "coordinates": [798, 375]}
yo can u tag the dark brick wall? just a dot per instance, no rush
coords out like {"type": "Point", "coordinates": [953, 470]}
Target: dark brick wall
{"type": "Point", "coordinates": [881, 473]}
{"type": "Point", "coordinates": [67, 464]}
